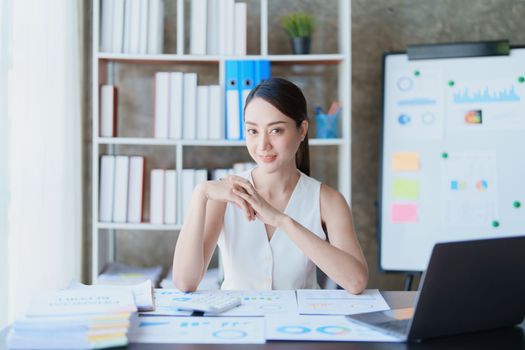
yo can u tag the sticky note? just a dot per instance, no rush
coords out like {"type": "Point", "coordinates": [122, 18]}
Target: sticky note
{"type": "Point", "coordinates": [405, 161]}
{"type": "Point", "coordinates": [405, 189]}
{"type": "Point", "coordinates": [403, 213]}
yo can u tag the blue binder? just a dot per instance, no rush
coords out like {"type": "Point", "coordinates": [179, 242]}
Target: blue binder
{"type": "Point", "coordinates": [262, 71]}
{"type": "Point", "coordinates": [232, 103]}
{"type": "Point", "coordinates": [246, 84]}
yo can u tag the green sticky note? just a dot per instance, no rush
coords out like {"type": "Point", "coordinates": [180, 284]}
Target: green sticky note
{"type": "Point", "coordinates": [405, 189]}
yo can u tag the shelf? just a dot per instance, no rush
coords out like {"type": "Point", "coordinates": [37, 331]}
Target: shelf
{"type": "Point", "coordinates": [139, 227]}
{"type": "Point", "coordinates": [290, 59]}
{"type": "Point", "coordinates": [171, 142]}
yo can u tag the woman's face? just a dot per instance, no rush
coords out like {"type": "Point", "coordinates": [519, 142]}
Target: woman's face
{"type": "Point", "coordinates": [272, 138]}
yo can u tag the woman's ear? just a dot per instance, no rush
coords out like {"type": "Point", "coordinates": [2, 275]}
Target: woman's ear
{"type": "Point", "coordinates": [303, 129]}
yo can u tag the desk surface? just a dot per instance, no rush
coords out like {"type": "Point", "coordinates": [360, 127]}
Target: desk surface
{"type": "Point", "coordinates": [509, 338]}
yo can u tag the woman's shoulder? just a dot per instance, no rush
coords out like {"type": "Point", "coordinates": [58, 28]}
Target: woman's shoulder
{"type": "Point", "coordinates": [331, 197]}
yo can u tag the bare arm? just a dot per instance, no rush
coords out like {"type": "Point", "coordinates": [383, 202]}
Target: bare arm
{"type": "Point", "coordinates": [200, 232]}
{"type": "Point", "coordinates": [341, 258]}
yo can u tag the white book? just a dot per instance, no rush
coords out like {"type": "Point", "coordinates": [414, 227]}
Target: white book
{"type": "Point", "coordinates": [233, 115]}
{"type": "Point", "coordinates": [136, 189]}
{"type": "Point", "coordinates": [81, 302]}
{"type": "Point", "coordinates": [202, 112]}
{"type": "Point", "coordinates": [143, 31]}
{"type": "Point", "coordinates": [241, 13]}
{"type": "Point", "coordinates": [188, 182]}
{"type": "Point", "coordinates": [221, 28]}
{"type": "Point", "coordinates": [201, 175]}
{"type": "Point", "coordinates": [176, 106]}
{"type": "Point", "coordinates": [120, 200]}
{"type": "Point", "coordinates": [230, 27]}
{"type": "Point", "coordinates": [155, 26]}
{"type": "Point", "coordinates": [157, 197]}
{"type": "Point", "coordinates": [135, 27]}
{"type": "Point", "coordinates": [127, 26]}
{"type": "Point", "coordinates": [118, 26]}
{"type": "Point", "coordinates": [215, 113]}
{"type": "Point", "coordinates": [106, 25]}
{"type": "Point", "coordinates": [107, 186]}
{"type": "Point", "coordinates": [162, 90]}
{"type": "Point", "coordinates": [190, 106]}
{"type": "Point", "coordinates": [108, 110]}
{"type": "Point", "coordinates": [212, 38]}
{"type": "Point", "coordinates": [170, 197]}
{"type": "Point", "coordinates": [198, 32]}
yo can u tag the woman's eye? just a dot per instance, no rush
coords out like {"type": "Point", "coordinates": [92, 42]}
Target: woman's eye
{"type": "Point", "coordinates": [252, 131]}
{"type": "Point", "coordinates": [275, 131]}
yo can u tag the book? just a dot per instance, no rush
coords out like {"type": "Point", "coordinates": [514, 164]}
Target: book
{"type": "Point", "coordinates": [155, 26]}
{"type": "Point", "coordinates": [170, 197]}
{"type": "Point", "coordinates": [176, 107]}
{"type": "Point", "coordinates": [106, 26]}
{"type": "Point", "coordinates": [107, 186]}
{"type": "Point", "coordinates": [162, 93]}
{"type": "Point", "coordinates": [198, 31]}
{"type": "Point", "coordinates": [120, 200]}
{"type": "Point", "coordinates": [117, 41]}
{"type": "Point", "coordinates": [136, 189]}
{"type": "Point", "coordinates": [202, 124]}
{"type": "Point", "coordinates": [108, 111]}
{"type": "Point", "coordinates": [215, 113]}
{"type": "Point", "coordinates": [190, 106]}
{"type": "Point", "coordinates": [241, 13]}
{"type": "Point", "coordinates": [157, 196]}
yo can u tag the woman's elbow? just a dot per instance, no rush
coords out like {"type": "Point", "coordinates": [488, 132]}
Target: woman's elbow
{"type": "Point", "coordinates": [185, 285]}
{"type": "Point", "coordinates": [357, 284]}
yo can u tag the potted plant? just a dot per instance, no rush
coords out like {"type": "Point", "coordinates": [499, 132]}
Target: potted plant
{"type": "Point", "coordinates": [299, 26]}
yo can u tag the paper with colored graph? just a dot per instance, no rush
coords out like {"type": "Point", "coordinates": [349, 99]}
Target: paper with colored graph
{"type": "Point", "coordinates": [263, 303]}
{"type": "Point", "coordinates": [197, 330]}
{"type": "Point", "coordinates": [320, 328]}
{"type": "Point", "coordinates": [339, 302]}
{"type": "Point", "coordinates": [405, 161]}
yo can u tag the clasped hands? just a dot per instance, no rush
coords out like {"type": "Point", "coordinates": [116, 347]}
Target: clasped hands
{"type": "Point", "coordinates": [240, 192]}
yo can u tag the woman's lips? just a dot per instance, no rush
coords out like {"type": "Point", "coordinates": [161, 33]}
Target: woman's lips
{"type": "Point", "coordinates": [267, 159]}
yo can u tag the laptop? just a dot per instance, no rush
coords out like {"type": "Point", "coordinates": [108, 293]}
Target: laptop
{"type": "Point", "coordinates": [468, 286]}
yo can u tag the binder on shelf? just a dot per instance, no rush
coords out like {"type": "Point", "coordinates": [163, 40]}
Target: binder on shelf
{"type": "Point", "coordinates": [188, 182]}
{"type": "Point", "coordinates": [134, 35]}
{"type": "Point", "coordinates": [202, 112]}
{"type": "Point", "coordinates": [215, 113]}
{"type": "Point", "coordinates": [262, 71]}
{"type": "Point", "coordinates": [157, 197]}
{"type": "Point", "coordinates": [117, 41]}
{"type": "Point", "coordinates": [108, 111]}
{"type": "Point", "coordinates": [162, 90]}
{"type": "Point", "coordinates": [143, 27]}
{"type": "Point", "coordinates": [107, 185]}
{"type": "Point", "coordinates": [241, 14]}
{"type": "Point", "coordinates": [155, 26]}
{"type": "Point", "coordinates": [198, 27]}
{"type": "Point", "coordinates": [176, 108]}
{"type": "Point", "coordinates": [106, 26]}
{"type": "Point", "coordinates": [190, 106]}
{"type": "Point", "coordinates": [212, 28]}
{"type": "Point", "coordinates": [120, 200]}
{"type": "Point", "coordinates": [246, 84]}
{"type": "Point", "coordinates": [127, 26]}
{"type": "Point", "coordinates": [229, 24]}
{"type": "Point", "coordinates": [136, 189]}
{"type": "Point", "coordinates": [233, 121]}
{"type": "Point", "coordinates": [170, 197]}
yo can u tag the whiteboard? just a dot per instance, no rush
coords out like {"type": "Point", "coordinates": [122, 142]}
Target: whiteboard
{"type": "Point", "coordinates": [452, 154]}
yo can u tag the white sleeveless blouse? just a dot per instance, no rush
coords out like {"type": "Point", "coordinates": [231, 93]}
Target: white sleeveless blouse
{"type": "Point", "coordinates": [251, 262]}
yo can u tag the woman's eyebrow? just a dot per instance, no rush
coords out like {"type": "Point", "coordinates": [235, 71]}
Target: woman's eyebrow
{"type": "Point", "coordinates": [269, 124]}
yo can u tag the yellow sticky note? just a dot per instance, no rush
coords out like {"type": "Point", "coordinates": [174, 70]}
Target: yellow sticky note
{"type": "Point", "coordinates": [405, 161]}
{"type": "Point", "coordinates": [405, 189]}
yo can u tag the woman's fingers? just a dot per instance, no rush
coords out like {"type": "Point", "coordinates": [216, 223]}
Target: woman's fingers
{"type": "Point", "coordinates": [245, 184]}
{"type": "Point", "coordinates": [249, 200]}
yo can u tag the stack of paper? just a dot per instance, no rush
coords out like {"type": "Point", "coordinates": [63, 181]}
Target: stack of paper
{"type": "Point", "coordinates": [74, 319]}
{"type": "Point", "coordinates": [142, 292]}
{"type": "Point", "coordinates": [121, 274]}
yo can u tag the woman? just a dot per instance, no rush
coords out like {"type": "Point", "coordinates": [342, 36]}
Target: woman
{"type": "Point", "coordinates": [274, 223]}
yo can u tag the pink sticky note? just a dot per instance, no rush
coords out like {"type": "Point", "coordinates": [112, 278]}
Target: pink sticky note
{"type": "Point", "coordinates": [404, 213]}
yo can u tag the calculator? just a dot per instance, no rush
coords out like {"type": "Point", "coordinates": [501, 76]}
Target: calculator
{"type": "Point", "coordinates": [212, 303]}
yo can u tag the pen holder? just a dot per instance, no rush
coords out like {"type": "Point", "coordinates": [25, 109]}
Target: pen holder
{"type": "Point", "coordinates": [326, 126]}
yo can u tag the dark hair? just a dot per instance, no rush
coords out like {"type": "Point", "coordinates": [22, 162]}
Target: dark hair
{"type": "Point", "coordinates": [289, 100]}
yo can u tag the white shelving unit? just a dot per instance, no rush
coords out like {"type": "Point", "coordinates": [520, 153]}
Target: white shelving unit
{"type": "Point", "coordinates": [103, 70]}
